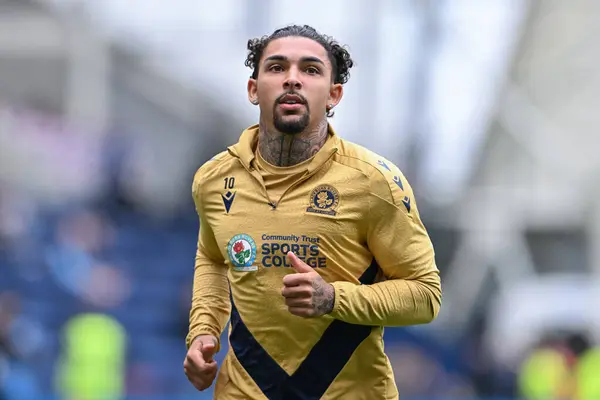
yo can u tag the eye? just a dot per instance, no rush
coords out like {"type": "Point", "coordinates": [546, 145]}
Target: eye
{"type": "Point", "coordinates": [312, 70]}
{"type": "Point", "coordinates": [276, 68]}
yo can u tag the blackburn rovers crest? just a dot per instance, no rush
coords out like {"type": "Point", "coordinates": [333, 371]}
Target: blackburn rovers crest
{"type": "Point", "coordinates": [241, 250]}
{"type": "Point", "coordinates": [324, 199]}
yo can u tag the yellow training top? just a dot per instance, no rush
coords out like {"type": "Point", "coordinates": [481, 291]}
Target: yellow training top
{"type": "Point", "coordinates": [352, 216]}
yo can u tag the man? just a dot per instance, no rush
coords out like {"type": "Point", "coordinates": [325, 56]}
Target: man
{"type": "Point", "coordinates": [311, 244]}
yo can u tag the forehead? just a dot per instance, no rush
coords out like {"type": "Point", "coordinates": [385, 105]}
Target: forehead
{"type": "Point", "coordinates": [295, 48]}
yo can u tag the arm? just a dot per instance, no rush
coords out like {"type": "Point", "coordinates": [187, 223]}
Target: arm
{"type": "Point", "coordinates": [210, 299]}
{"type": "Point", "coordinates": [411, 293]}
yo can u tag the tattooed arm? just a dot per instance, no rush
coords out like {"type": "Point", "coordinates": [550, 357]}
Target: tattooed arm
{"type": "Point", "coordinates": [323, 296]}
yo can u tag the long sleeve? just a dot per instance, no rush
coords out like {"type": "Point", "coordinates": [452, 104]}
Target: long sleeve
{"type": "Point", "coordinates": [210, 299]}
{"type": "Point", "coordinates": [411, 292]}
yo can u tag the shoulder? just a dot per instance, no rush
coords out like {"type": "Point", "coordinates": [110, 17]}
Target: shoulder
{"type": "Point", "coordinates": [386, 180]}
{"type": "Point", "coordinates": [212, 169]}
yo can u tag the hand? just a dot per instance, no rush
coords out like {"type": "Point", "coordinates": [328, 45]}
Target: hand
{"type": "Point", "coordinates": [306, 293]}
{"type": "Point", "coordinates": [199, 366]}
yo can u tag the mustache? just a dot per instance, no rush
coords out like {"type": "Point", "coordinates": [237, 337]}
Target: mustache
{"type": "Point", "coordinates": [291, 93]}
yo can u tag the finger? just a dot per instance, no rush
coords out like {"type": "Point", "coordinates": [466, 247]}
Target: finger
{"type": "Point", "coordinates": [194, 360]}
{"type": "Point", "coordinates": [208, 368]}
{"type": "Point", "coordinates": [196, 344]}
{"type": "Point", "coordinates": [208, 350]}
{"type": "Point", "coordinates": [300, 292]}
{"type": "Point", "coordinates": [208, 377]}
{"type": "Point", "coordinates": [295, 302]}
{"type": "Point", "coordinates": [298, 265]}
{"type": "Point", "coordinates": [305, 312]}
{"type": "Point", "coordinates": [201, 378]}
{"type": "Point", "coordinates": [296, 279]}
{"type": "Point", "coordinates": [202, 383]}
{"type": "Point", "coordinates": [203, 371]}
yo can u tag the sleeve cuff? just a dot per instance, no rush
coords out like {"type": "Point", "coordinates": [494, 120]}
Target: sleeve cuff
{"type": "Point", "coordinates": [341, 297]}
{"type": "Point", "coordinates": [193, 334]}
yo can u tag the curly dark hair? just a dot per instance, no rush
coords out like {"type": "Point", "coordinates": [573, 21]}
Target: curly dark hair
{"type": "Point", "coordinates": [339, 57]}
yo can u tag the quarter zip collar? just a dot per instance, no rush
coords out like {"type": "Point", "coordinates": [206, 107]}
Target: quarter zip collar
{"type": "Point", "coordinates": [246, 146]}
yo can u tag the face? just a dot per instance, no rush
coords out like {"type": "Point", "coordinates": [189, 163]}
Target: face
{"type": "Point", "coordinates": [294, 85]}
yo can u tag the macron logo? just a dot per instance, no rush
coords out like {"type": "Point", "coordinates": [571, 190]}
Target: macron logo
{"type": "Point", "coordinates": [384, 165]}
{"type": "Point", "coordinates": [406, 201]}
{"type": "Point", "coordinates": [228, 200]}
{"type": "Point", "coordinates": [398, 182]}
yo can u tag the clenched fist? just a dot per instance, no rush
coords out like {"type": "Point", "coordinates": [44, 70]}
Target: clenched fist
{"type": "Point", "coordinates": [199, 366]}
{"type": "Point", "coordinates": [306, 293]}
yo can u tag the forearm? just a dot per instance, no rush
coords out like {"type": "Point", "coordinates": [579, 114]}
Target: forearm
{"type": "Point", "coordinates": [211, 304]}
{"type": "Point", "coordinates": [395, 302]}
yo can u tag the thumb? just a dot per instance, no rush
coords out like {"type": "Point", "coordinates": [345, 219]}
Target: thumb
{"type": "Point", "coordinates": [208, 350]}
{"type": "Point", "coordinates": [298, 265]}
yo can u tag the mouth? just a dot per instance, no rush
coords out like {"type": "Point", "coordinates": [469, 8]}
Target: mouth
{"type": "Point", "coordinates": [291, 103]}
{"type": "Point", "coordinates": [291, 99]}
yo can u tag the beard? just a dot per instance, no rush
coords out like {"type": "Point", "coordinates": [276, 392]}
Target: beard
{"type": "Point", "coordinates": [291, 124]}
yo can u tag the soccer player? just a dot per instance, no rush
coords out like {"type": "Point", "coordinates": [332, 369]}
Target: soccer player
{"type": "Point", "coordinates": [310, 244]}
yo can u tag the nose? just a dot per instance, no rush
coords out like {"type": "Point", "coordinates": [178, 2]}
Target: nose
{"type": "Point", "coordinates": [291, 81]}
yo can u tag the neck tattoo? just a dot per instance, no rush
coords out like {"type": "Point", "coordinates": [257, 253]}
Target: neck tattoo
{"type": "Point", "coordinates": [285, 150]}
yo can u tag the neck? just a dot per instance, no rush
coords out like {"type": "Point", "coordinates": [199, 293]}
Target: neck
{"type": "Point", "coordinates": [286, 150]}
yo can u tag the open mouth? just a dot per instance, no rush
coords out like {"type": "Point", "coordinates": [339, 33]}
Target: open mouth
{"type": "Point", "coordinates": [291, 99]}
{"type": "Point", "coordinates": [291, 102]}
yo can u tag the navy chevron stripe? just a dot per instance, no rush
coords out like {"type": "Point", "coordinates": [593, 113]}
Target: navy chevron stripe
{"type": "Point", "coordinates": [261, 367]}
{"type": "Point", "coordinates": [316, 373]}
{"type": "Point", "coordinates": [330, 354]}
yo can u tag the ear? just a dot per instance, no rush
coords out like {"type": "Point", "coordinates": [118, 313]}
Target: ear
{"type": "Point", "coordinates": [252, 91]}
{"type": "Point", "coordinates": [336, 92]}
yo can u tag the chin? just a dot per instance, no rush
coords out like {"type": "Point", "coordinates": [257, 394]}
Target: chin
{"type": "Point", "coordinates": [291, 124]}
{"type": "Point", "coordinates": [292, 117]}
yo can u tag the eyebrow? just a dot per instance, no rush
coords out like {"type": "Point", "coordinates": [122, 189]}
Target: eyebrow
{"type": "Point", "coordinates": [307, 59]}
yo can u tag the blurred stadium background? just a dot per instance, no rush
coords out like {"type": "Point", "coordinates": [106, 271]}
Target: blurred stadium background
{"type": "Point", "coordinates": [107, 107]}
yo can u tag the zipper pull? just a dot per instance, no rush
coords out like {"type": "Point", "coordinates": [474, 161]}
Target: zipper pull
{"type": "Point", "coordinates": [273, 205]}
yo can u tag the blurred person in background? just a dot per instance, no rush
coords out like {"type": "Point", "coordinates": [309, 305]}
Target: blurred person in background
{"type": "Point", "coordinates": [92, 363]}
{"type": "Point", "coordinates": [311, 243]}
{"type": "Point", "coordinates": [93, 352]}
{"type": "Point", "coordinates": [22, 341]}
{"type": "Point", "coordinates": [562, 366]}
{"type": "Point", "coordinates": [19, 234]}
{"type": "Point", "coordinates": [78, 260]}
